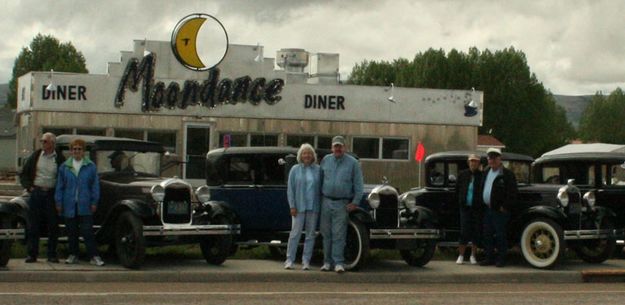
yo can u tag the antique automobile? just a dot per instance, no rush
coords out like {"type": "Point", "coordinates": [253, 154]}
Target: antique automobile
{"type": "Point", "coordinates": [544, 221]}
{"type": "Point", "coordinates": [598, 168]}
{"type": "Point", "coordinates": [252, 181]}
{"type": "Point", "coordinates": [137, 208]}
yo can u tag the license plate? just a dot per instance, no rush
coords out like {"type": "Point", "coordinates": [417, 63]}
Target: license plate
{"type": "Point", "coordinates": [178, 207]}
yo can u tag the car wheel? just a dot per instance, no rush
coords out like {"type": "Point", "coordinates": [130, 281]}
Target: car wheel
{"type": "Point", "coordinates": [5, 244]}
{"type": "Point", "coordinates": [357, 245]}
{"type": "Point", "coordinates": [597, 250]}
{"type": "Point", "coordinates": [542, 243]}
{"type": "Point", "coordinates": [216, 249]}
{"type": "Point", "coordinates": [423, 253]}
{"type": "Point", "coordinates": [129, 240]}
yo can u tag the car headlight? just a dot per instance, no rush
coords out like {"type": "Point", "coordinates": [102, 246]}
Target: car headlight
{"type": "Point", "coordinates": [374, 200]}
{"type": "Point", "coordinates": [590, 198]}
{"type": "Point", "coordinates": [158, 193]}
{"type": "Point", "coordinates": [203, 194]}
{"type": "Point", "coordinates": [563, 196]}
{"type": "Point", "coordinates": [409, 201]}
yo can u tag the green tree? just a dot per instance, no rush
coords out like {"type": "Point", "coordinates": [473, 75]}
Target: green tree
{"type": "Point", "coordinates": [44, 54]}
{"type": "Point", "coordinates": [601, 116]}
{"type": "Point", "coordinates": [518, 109]}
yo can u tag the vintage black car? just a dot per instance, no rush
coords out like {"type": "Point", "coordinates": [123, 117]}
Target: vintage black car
{"type": "Point", "coordinates": [252, 181]}
{"type": "Point", "coordinates": [137, 208]}
{"type": "Point", "coordinates": [545, 220]}
{"type": "Point", "coordinates": [595, 167]}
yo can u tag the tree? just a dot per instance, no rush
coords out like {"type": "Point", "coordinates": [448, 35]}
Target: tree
{"type": "Point", "coordinates": [518, 109]}
{"type": "Point", "coordinates": [602, 117]}
{"type": "Point", "coordinates": [45, 53]}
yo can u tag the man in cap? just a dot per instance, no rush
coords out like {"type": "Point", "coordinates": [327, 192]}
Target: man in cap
{"type": "Point", "coordinates": [342, 187]}
{"type": "Point", "coordinates": [469, 191]}
{"type": "Point", "coordinates": [499, 195]}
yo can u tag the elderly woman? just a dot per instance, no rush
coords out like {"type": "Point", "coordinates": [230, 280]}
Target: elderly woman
{"type": "Point", "coordinates": [77, 195]}
{"type": "Point", "coordinates": [304, 200]}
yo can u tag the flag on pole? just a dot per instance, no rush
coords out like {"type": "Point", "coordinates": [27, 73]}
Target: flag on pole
{"type": "Point", "coordinates": [420, 153]}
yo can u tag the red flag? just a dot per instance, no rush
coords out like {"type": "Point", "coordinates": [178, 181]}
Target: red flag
{"type": "Point", "coordinates": [420, 153]}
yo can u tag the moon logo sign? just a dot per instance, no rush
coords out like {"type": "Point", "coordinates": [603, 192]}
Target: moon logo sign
{"type": "Point", "coordinates": [199, 42]}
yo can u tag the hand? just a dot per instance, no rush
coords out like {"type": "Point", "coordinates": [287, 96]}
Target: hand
{"type": "Point", "coordinates": [351, 207]}
{"type": "Point", "coordinates": [293, 212]}
{"type": "Point", "coordinates": [94, 208]}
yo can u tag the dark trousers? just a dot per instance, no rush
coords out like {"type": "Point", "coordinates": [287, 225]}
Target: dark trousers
{"type": "Point", "coordinates": [84, 226]}
{"type": "Point", "coordinates": [41, 208]}
{"type": "Point", "coordinates": [470, 226]}
{"type": "Point", "coordinates": [495, 236]}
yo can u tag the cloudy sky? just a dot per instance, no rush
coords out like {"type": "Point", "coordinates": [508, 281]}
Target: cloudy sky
{"type": "Point", "coordinates": [574, 47]}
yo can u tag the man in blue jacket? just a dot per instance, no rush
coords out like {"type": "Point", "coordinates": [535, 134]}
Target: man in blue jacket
{"type": "Point", "coordinates": [342, 187]}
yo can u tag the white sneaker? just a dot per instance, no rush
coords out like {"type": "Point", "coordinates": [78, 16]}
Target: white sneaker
{"type": "Point", "coordinates": [96, 260]}
{"type": "Point", "coordinates": [473, 260]}
{"type": "Point", "coordinates": [339, 269]}
{"type": "Point", "coordinates": [72, 259]}
{"type": "Point", "coordinates": [288, 265]}
{"type": "Point", "coordinates": [306, 266]}
{"type": "Point", "coordinates": [460, 260]}
{"type": "Point", "coordinates": [326, 267]}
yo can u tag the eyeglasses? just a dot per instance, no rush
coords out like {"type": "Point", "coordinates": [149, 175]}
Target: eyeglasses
{"type": "Point", "coordinates": [43, 141]}
{"type": "Point", "coordinates": [77, 149]}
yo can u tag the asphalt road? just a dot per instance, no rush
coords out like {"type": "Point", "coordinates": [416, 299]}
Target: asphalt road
{"type": "Point", "coordinates": [309, 293]}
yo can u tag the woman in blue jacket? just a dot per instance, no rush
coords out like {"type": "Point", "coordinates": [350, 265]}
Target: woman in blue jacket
{"type": "Point", "coordinates": [77, 195]}
{"type": "Point", "coordinates": [303, 192]}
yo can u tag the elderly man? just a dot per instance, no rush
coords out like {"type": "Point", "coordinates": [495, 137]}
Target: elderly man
{"type": "Point", "coordinates": [499, 194]}
{"type": "Point", "coordinates": [342, 187]}
{"type": "Point", "coordinates": [38, 177]}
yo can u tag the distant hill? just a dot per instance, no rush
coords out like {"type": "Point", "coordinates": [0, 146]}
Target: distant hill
{"type": "Point", "coordinates": [574, 106]}
{"type": "Point", "coordinates": [4, 89]}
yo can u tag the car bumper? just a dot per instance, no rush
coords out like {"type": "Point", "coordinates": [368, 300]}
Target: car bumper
{"type": "Point", "coordinates": [191, 230]}
{"type": "Point", "coordinates": [6, 234]}
{"type": "Point", "coordinates": [404, 234]}
{"type": "Point", "coordinates": [591, 234]}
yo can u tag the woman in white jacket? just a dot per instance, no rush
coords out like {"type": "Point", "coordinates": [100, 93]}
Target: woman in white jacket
{"type": "Point", "coordinates": [304, 197]}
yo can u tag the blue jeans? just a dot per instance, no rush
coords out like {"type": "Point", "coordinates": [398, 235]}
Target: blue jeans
{"type": "Point", "coordinates": [41, 207]}
{"type": "Point", "coordinates": [495, 236]}
{"type": "Point", "coordinates": [306, 219]}
{"type": "Point", "coordinates": [333, 227]}
{"type": "Point", "coordinates": [86, 230]}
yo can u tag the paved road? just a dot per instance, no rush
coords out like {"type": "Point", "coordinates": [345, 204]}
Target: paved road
{"type": "Point", "coordinates": [309, 293]}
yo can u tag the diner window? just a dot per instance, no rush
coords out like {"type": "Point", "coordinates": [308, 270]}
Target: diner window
{"type": "Point", "coordinates": [323, 142]}
{"type": "Point", "coordinates": [298, 140]}
{"type": "Point", "coordinates": [263, 140]}
{"type": "Point", "coordinates": [166, 138]}
{"type": "Point", "coordinates": [91, 132]}
{"type": "Point", "coordinates": [367, 148]}
{"type": "Point", "coordinates": [395, 149]}
{"type": "Point", "coordinates": [236, 139]}
{"type": "Point", "coordinates": [57, 131]}
{"type": "Point", "coordinates": [129, 133]}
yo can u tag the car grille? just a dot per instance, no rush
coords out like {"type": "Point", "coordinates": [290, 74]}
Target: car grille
{"type": "Point", "coordinates": [177, 205]}
{"type": "Point", "coordinates": [386, 215]}
{"type": "Point", "coordinates": [575, 203]}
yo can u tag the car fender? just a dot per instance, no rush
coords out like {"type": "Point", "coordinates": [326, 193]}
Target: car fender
{"type": "Point", "coordinates": [425, 214]}
{"type": "Point", "coordinates": [362, 216]}
{"type": "Point", "coordinates": [553, 213]}
{"type": "Point", "coordinates": [218, 208]}
{"type": "Point", "coordinates": [138, 207]}
{"type": "Point", "coordinates": [16, 207]}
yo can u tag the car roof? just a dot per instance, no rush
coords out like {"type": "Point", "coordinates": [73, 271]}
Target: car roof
{"type": "Point", "coordinates": [602, 152]}
{"type": "Point", "coordinates": [464, 154]}
{"type": "Point", "coordinates": [253, 150]}
{"type": "Point", "coordinates": [111, 143]}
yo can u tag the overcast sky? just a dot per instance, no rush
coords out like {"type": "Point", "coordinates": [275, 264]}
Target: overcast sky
{"type": "Point", "coordinates": [574, 47]}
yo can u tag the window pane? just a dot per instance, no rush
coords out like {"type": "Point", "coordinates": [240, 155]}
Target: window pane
{"type": "Point", "coordinates": [396, 149]}
{"type": "Point", "coordinates": [551, 175]}
{"type": "Point", "coordinates": [128, 133]}
{"type": "Point", "coordinates": [264, 140]}
{"type": "Point", "coordinates": [236, 139]}
{"type": "Point", "coordinates": [91, 132]}
{"type": "Point", "coordinates": [298, 140]}
{"type": "Point", "coordinates": [617, 175]}
{"type": "Point", "coordinates": [324, 142]}
{"type": "Point", "coordinates": [239, 171]}
{"type": "Point", "coordinates": [367, 148]}
{"type": "Point", "coordinates": [436, 174]}
{"type": "Point", "coordinates": [452, 174]}
{"type": "Point", "coordinates": [166, 138]}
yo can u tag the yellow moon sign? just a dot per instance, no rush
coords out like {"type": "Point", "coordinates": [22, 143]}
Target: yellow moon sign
{"type": "Point", "coordinates": [187, 42]}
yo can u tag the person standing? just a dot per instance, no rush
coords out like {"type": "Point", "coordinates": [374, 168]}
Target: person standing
{"type": "Point", "coordinates": [77, 196]}
{"type": "Point", "coordinates": [342, 187]}
{"type": "Point", "coordinates": [303, 192]}
{"type": "Point", "coordinates": [499, 195]}
{"type": "Point", "coordinates": [38, 177]}
{"type": "Point", "coordinates": [468, 192]}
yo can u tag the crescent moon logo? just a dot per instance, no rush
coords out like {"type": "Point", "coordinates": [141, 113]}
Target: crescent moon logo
{"type": "Point", "coordinates": [199, 42]}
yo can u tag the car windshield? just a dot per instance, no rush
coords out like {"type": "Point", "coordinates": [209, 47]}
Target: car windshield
{"type": "Point", "coordinates": [128, 161]}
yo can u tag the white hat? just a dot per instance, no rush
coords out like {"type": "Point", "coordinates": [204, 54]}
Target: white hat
{"type": "Point", "coordinates": [493, 150]}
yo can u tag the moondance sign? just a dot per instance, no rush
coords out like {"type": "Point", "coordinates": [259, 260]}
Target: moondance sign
{"type": "Point", "coordinates": [211, 93]}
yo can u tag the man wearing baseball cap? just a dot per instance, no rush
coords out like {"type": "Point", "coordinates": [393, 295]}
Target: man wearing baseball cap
{"type": "Point", "coordinates": [342, 187]}
{"type": "Point", "coordinates": [468, 191]}
{"type": "Point", "coordinates": [499, 195]}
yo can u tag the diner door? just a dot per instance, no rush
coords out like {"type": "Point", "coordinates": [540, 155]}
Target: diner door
{"type": "Point", "coordinates": [196, 145]}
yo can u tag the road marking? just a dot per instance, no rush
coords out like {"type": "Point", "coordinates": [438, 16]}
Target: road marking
{"type": "Point", "coordinates": [364, 293]}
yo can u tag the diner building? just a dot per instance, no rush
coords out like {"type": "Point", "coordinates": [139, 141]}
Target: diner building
{"type": "Point", "coordinates": [249, 100]}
